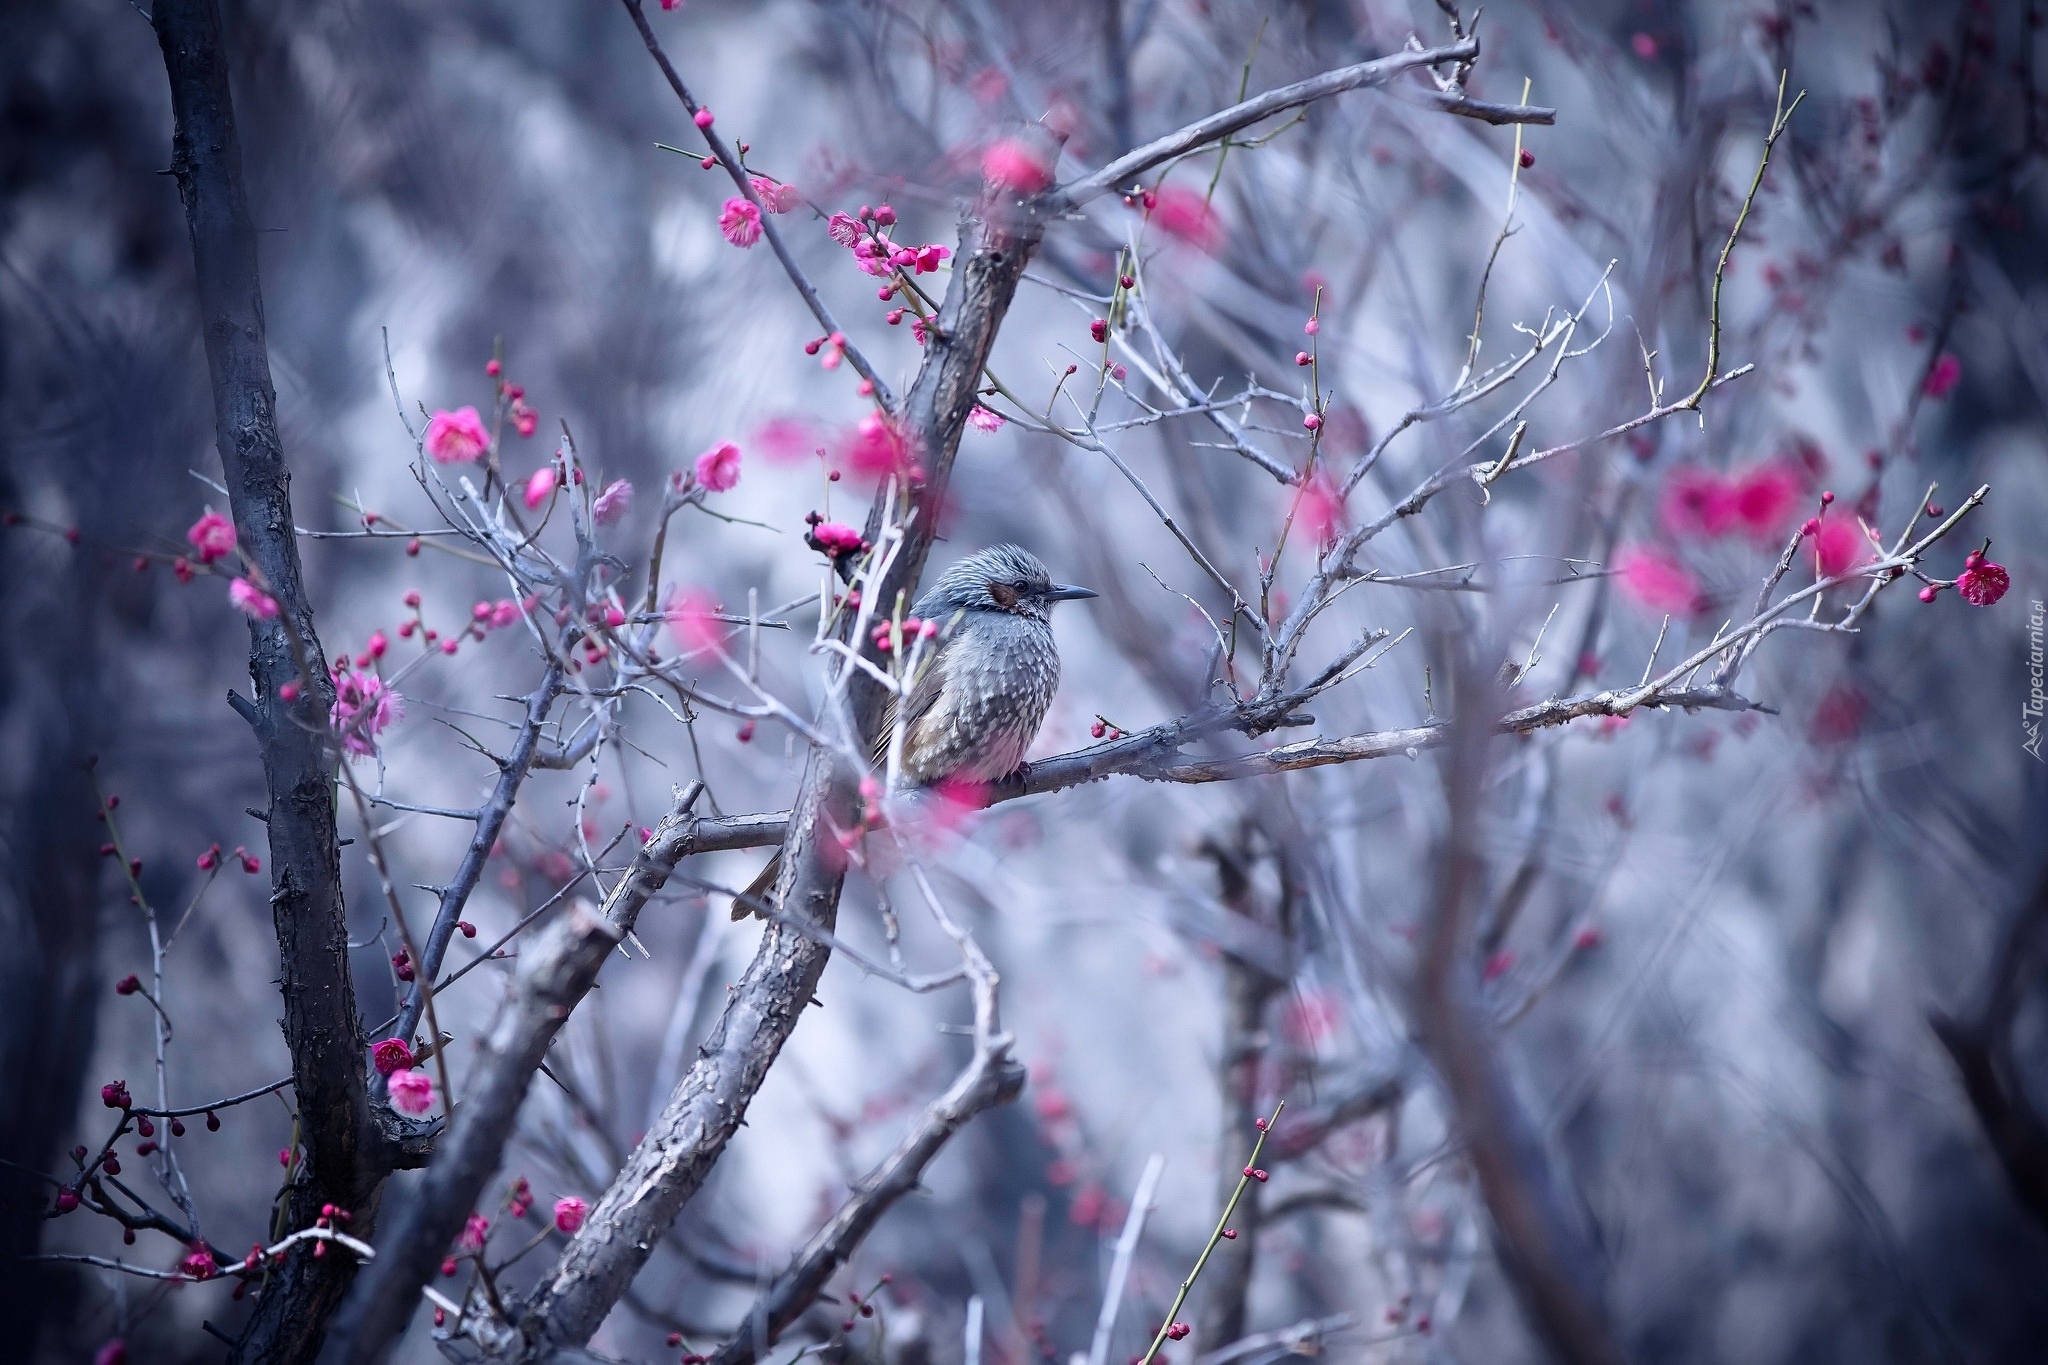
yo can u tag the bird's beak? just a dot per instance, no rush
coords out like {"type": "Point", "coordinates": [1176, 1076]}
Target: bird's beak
{"type": "Point", "coordinates": [1067, 592]}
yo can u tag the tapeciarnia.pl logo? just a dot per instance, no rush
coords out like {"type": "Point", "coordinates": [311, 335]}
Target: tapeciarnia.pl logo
{"type": "Point", "coordinates": [2037, 698]}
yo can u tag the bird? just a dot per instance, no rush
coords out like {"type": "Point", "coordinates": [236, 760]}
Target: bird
{"type": "Point", "coordinates": [982, 693]}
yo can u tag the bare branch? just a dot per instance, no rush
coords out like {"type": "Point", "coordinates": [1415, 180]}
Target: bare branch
{"type": "Point", "coordinates": [1126, 169]}
{"type": "Point", "coordinates": [555, 974]}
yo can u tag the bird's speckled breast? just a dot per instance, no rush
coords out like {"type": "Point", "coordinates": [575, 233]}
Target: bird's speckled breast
{"type": "Point", "coordinates": [1000, 672]}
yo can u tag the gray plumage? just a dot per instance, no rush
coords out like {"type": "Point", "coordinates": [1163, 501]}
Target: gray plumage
{"type": "Point", "coordinates": [979, 703]}
{"type": "Point", "coordinates": [989, 677]}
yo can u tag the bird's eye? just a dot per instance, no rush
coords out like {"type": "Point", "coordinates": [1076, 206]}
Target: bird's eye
{"type": "Point", "coordinates": [1021, 587]}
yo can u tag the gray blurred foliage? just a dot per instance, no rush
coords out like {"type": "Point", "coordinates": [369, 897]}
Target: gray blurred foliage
{"type": "Point", "coordinates": [1766, 1145]}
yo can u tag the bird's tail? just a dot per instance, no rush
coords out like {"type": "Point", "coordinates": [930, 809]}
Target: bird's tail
{"type": "Point", "coordinates": [759, 892]}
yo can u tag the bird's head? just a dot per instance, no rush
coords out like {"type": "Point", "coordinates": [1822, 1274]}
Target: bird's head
{"type": "Point", "coordinates": [1002, 578]}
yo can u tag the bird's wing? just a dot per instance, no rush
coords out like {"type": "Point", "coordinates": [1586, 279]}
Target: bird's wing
{"type": "Point", "coordinates": [759, 892]}
{"type": "Point", "coordinates": [924, 695]}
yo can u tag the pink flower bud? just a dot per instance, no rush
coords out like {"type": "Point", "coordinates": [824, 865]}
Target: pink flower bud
{"type": "Point", "coordinates": [569, 1214]}
{"type": "Point", "coordinates": [702, 118]}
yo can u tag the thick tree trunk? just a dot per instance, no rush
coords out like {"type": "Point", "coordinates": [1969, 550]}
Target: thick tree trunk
{"type": "Point", "coordinates": [320, 1023]}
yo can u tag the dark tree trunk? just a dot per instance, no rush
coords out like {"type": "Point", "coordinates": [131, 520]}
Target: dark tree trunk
{"type": "Point", "coordinates": [320, 1023]}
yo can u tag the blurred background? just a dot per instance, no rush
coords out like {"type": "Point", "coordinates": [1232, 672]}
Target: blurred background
{"type": "Point", "coordinates": [1713, 944]}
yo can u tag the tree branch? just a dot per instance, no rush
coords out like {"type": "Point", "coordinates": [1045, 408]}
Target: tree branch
{"type": "Point", "coordinates": [1126, 169]}
{"type": "Point", "coordinates": [320, 1025]}
{"type": "Point", "coordinates": [1982, 1049]}
{"type": "Point", "coordinates": [555, 974]}
{"type": "Point", "coordinates": [762, 1010]}
{"type": "Point", "coordinates": [991, 1078]}
{"type": "Point", "coordinates": [1546, 1254]}
{"type": "Point", "coordinates": [525, 756]}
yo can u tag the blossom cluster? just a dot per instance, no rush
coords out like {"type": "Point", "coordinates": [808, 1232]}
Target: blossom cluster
{"type": "Point", "coordinates": [867, 235]}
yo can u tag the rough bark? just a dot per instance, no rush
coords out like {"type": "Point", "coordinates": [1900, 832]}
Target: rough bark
{"type": "Point", "coordinates": [320, 1023]}
{"type": "Point", "coordinates": [1248, 989]}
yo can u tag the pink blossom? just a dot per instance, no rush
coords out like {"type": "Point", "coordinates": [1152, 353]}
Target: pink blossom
{"type": "Point", "coordinates": [1698, 502]}
{"type": "Point", "coordinates": [775, 196]}
{"type": "Point", "coordinates": [475, 1229]}
{"type": "Point", "coordinates": [247, 597]}
{"type": "Point", "coordinates": [613, 503]}
{"type": "Point", "coordinates": [987, 85]}
{"type": "Point", "coordinates": [836, 539]}
{"type": "Point", "coordinates": [718, 468]}
{"type": "Point", "coordinates": [878, 449]}
{"type": "Point", "coordinates": [1087, 1206]}
{"type": "Point", "coordinates": [213, 535]}
{"type": "Point", "coordinates": [927, 258]}
{"type": "Point", "coordinates": [540, 487]}
{"type": "Point", "coordinates": [412, 1091]}
{"type": "Point", "coordinates": [364, 707]}
{"type": "Point", "coordinates": [1983, 582]}
{"type": "Point", "coordinates": [955, 801]}
{"type": "Point", "coordinates": [1659, 582]}
{"type": "Point", "coordinates": [525, 420]}
{"type": "Point", "coordinates": [1183, 214]}
{"type": "Point", "coordinates": [1311, 1017]}
{"type": "Point", "coordinates": [1320, 509]}
{"type": "Point", "coordinates": [1763, 498]}
{"type": "Point", "coordinates": [504, 612]}
{"type": "Point", "coordinates": [457, 437]}
{"type": "Point", "coordinates": [872, 257]}
{"type": "Point", "coordinates": [1943, 376]}
{"type": "Point", "coordinates": [786, 438]}
{"type": "Point", "coordinates": [1838, 546]}
{"type": "Point", "coordinates": [1644, 46]}
{"type": "Point", "coordinates": [693, 616]}
{"type": "Point", "coordinates": [1015, 165]}
{"type": "Point", "coordinates": [391, 1055]}
{"type": "Point", "coordinates": [740, 221]}
{"type": "Point", "coordinates": [569, 1213]}
{"type": "Point", "coordinates": [843, 228]}
{"type": "Point", "coordinates": [1839, 715]}
{"type": "Point", "coordinates": [984, 419]}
